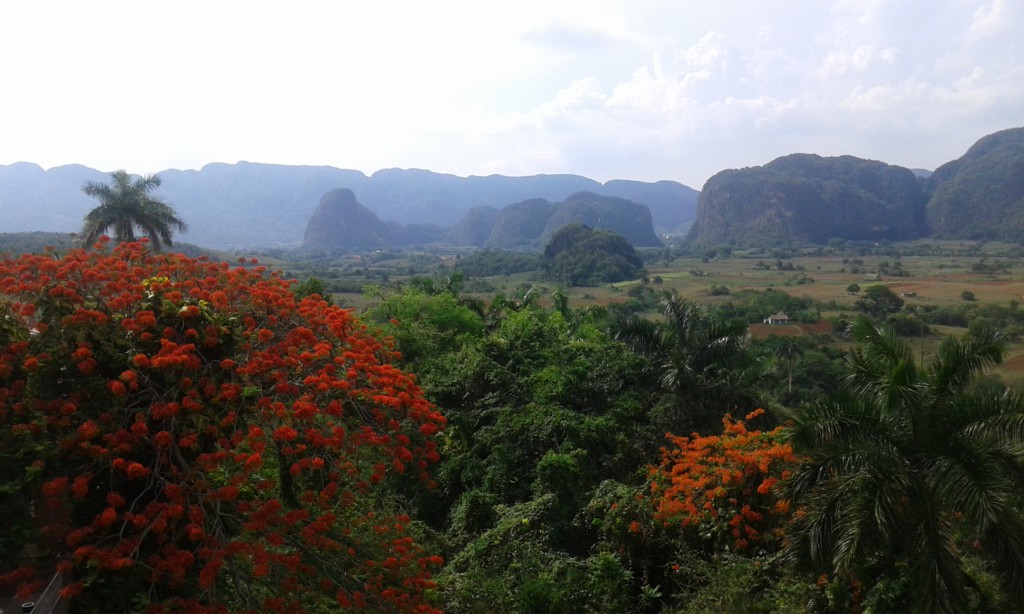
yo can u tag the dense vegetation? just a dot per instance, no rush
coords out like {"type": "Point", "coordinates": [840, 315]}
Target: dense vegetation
{"type": "Point", "coordinates": [630, 220]}
{"type": "Point", "coordinates": [577, 255]}
{"type": "Point", "coordinates": [185, 435]}
{"type": "Point", "coordinates": [591, 459]}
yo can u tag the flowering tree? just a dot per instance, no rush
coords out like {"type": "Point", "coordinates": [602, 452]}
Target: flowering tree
{"type": "Point", "coordinates": [201, 440]}
{"type": "Point", "coordinates": [724, 483]}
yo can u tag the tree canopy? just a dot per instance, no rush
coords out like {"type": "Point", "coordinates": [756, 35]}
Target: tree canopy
{"type": "Point", "coordinates": [202, 440]}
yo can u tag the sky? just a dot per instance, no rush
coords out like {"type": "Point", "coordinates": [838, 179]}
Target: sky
{"type": "Point", "coordinates": [637, 89]}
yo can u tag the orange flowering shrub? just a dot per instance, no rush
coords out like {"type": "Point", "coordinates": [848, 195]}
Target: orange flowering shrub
{"type": "Point", "coordinates": [200, 440]}
{"type": "Point", "coordinates": [724, 483]}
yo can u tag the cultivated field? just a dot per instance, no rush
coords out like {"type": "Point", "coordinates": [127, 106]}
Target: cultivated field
{"type": "Point", "coordinates": [925, 274]}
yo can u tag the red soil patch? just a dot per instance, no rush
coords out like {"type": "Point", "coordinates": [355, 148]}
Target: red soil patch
{"type": "Point", "coordinates": [817, 328]}
{"type": "Point", "coordinates": [1014, 364]}
{"type": "Point", "coordinates": [763, 331]}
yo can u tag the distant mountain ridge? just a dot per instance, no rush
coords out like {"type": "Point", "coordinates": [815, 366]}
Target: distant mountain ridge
{"type": "Point", "coordinates": [799, 198]}
{"type": "Point", "coordinates": [342, 223]}
{"type": "Point", "coordinates": [249, 204]}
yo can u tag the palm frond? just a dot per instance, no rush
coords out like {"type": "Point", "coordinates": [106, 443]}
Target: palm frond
{"type": "Point", "coordinates": [961, 359]}
{"type": "Point", "coordinates": [1003, 543]}
{"type": "Point", "coordinates": [910, 465]}
{"type": "Point", "coordinates": [639, 334]}
{"type": "Point", "coordinates": [935, 568]}
{"type": "Point", "coordinates": [125, 204]}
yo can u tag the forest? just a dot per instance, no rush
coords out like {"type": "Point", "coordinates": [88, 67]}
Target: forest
{"type": "Point", "coordinates": [185, 434]}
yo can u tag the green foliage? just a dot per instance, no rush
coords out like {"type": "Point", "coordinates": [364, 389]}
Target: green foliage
{"type": "Point", "coordinates": [311, 286]}
{"type": "Point", "coordinates": [879, 301]}
{"type": "Point", "coordinates": [735, 584]}
{"type": "Point", "coordinates": [542, 406]}
{"type": "Point", "coordinates": [753, 307]}
{"type": "Point", "coordinates": [981, 194]}
{"type": "Point", "coordinates": [425, 325]}
{"type": "Point", "coordinates": [907, 325]}
{"type": "Point", "coordinates": [698, 361]}
{"type": "Point", "coordinates": [797, 370]}
{"type": "Point", "coordinates": [514, 567]}
{"type": "Point", "coordinates": [579, 256]}
{"type": "Point", "coordinates": [910, 470]}
{"type": "Point", "coordinates": [488, 262]}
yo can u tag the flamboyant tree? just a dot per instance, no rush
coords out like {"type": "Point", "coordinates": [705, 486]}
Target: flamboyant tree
{"type": "Point", "coordinates": [196, 438]}
{"type": "Point", "coordinates": [725, 484]}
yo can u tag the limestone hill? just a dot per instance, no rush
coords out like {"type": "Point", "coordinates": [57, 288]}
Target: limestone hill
{"type": "Point", "coordinates": [805, 198]}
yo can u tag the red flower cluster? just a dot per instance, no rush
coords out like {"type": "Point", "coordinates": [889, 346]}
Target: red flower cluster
{"type": "Point", "coordinates": [708, 479]}
{"type": "Point", "coordinates": [204, 438]}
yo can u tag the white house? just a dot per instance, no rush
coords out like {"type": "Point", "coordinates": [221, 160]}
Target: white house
{"type": "Point", "coordinates": [779, 318]}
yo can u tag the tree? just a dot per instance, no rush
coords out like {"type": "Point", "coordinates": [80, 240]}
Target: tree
{"type": "Point", "coordinates": [310, 286]}
{"type": "Point", "coordinates": [788, 351]}
{"type": "Point", "coordinates": [912, 474]}
{"type": "Point", "coordinates": [201, 440]}
{"type": "Point", "coordinates": [879, 301]}
{"type": "Point", "coordinates": [126, 205]}
{"type": "Point", "coordinates": [725, 484]}
{"type": "Point", "coordinates": [853, 289]}
{"type": "Point", "coordinates": [697, 357]}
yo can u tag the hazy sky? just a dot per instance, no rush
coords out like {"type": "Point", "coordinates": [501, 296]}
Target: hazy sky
{"type": "Point", "coordinates": [635, 90]}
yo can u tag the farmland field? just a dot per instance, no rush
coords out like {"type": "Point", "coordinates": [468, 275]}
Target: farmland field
{"type": "Point", "coordinates": [925, 274]}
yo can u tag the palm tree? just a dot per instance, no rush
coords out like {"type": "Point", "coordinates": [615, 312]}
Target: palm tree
{"type": "Point", "coordinates": [698, 359]}
{"type": "Point", "coordinates": [788, 351]}
{"type": "Point", "coordinates": [126, 205]}
{"type": "Point", "coordinates": [912, 472]}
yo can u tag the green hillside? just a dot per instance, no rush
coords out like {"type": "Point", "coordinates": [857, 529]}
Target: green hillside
{"type": "Point", "coordinates": [981, 194]}
{"type": "Point", "coordinates": [805, 198]}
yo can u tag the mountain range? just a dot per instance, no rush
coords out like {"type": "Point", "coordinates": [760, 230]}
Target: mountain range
{"type": "Point", "coordinates": [799, 198]}
{"type": "Point", "coordinates": [248, 204]}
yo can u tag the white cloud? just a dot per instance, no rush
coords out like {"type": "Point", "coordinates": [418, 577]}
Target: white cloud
{"type": "Point", "coordinates": [841, 61]}
{"type": "Point", "coordinates": [989, 19]}
{"type": "Point", "coordinates": [653, 89]}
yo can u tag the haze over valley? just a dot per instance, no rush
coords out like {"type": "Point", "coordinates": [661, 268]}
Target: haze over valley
{"type": "Point", "coordinates": [795, 199]}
